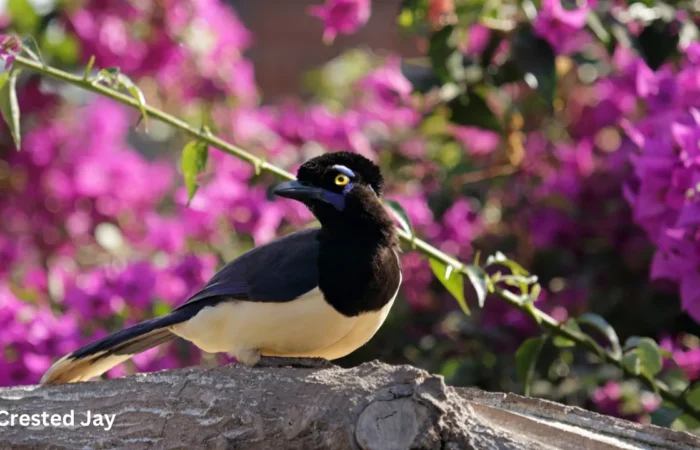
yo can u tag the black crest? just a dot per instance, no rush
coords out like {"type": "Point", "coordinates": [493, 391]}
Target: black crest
{"type": "Point", "coordinates": [367, 171]}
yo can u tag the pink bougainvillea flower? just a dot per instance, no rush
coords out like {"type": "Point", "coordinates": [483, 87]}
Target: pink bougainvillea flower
{"type": "Point", "coordinates": [341, 16]}
{"type": "Point", "coordinates": [574, 18]}
{"type": "Point", "coordinates": [686, 357]}
{"type": "Point", "coordinates": [560, 26]}
{"type": "Point", "coordinates": [387, 82]}
{"type": "Point", "coordinates": [478, 39]}
{"type": "Point", "coordinates": [477, 141]}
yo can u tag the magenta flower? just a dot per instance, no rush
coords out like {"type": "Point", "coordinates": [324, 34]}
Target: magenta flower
{"type": "Point", "coordinates": [183, 277]}
{"type": "Point", "coordinates": [9, 45]}
{"type": "Point", "coordinates": [608, 398]}
{"type": "Point", "coordinates": [341, 16]}
{"type": "Point", "coordinates": [686, 357]}
{"type": "Point", "coordinates": [135, 284]}
{"type": "Point", "coordinates": [193, 48]}
{"type": "Point", "coordinates": [32, 336]}
{"type": "Point", "coordinates": [418, 212]}
{"type": "Point", "coordinates": [387, 82]}
{"type": "Point", "coordinates": [476, 141]}
{"type": "Point", "coordinates": [418, 277]}
{"type": "Point", "coordinates": [461, 225]}
{"type": "Point", "coordinates": [385, 99]}
{"type": "Point", "coordinates": [561, 27]}
{"type": "Point", "coordinates": [478, 39]}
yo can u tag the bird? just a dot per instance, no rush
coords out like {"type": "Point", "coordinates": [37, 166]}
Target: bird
{"type": "Point", "coordinates": [318, 293]}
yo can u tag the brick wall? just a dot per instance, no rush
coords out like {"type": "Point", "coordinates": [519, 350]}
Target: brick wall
{"type": "Point", "coordinates": [287, 41]}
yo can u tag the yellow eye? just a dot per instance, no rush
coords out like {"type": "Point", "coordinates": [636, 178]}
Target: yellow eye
{"type": "Point", "coordinates": [341, 180]}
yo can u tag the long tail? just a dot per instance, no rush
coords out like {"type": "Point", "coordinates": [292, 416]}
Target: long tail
{"type": "Point", "coordinates": [100, 356]}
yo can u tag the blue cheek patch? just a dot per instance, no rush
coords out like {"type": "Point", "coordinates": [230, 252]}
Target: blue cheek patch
{"type": "Point", "coordinates": [337, 199]}
{"type": "Point", "coordinates": [347, 188]}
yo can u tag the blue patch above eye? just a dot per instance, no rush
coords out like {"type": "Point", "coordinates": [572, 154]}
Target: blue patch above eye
{"type": "Point", "coordinates": [344, 170]}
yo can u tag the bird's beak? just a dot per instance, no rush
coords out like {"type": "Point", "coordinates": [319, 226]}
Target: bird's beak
{"type": "Point", "coordinates": [298, 191]}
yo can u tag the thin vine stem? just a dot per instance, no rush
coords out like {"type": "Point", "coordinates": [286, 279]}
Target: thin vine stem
{"type": "Point", "coordinates": [545, 320]}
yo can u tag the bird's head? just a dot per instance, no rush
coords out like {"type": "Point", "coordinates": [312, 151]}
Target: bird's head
{"type": "Point", "coordinates": [340, 189]}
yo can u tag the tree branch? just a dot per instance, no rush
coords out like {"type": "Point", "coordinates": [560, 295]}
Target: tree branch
{"type": "Point", "coordinates": [545, 320]}
{"type": "Point", "coordinates": [373, 406]}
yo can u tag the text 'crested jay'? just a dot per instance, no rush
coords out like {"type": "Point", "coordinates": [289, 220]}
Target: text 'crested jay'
{"type": "Point", "coordinates": [322, 292]}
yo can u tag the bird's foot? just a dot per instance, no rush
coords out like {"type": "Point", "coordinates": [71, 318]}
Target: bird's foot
{"type": "Point", "coordinates": [300, 363]}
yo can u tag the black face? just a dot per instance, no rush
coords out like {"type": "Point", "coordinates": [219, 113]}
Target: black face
{"type": "Point", "coordinates": [334, 180]}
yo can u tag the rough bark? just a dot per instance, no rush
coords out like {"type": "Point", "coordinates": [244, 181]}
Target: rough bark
{"type": "Point", "coordinates": [373, 406]}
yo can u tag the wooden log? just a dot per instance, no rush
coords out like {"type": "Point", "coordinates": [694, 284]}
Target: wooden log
{"type": "Point", "coordinates": [372, 406]}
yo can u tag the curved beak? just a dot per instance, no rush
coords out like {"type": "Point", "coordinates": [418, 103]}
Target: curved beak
{"type": "Point", "coordinates": [298, 191]}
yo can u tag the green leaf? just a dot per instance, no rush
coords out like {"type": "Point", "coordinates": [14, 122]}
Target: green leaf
{"type": "Point", "coordinates": [649, 353]}
{"type": "Point", "coordinates": [604, 327]}
{"type": "Point", "coordinates": [478, 279]}
{"type": "Point", "coordinates": [525, 360]}
{"type": "Point", "coordinates": [402, 217]}
{"type": "Point", "coordinates": [631, 342]}
{"type": "Point", "coordinates": [194, 161]}
{"type": "Point", "coordinates": [23, 16]}
{"type": "Point", "coordinates": [500, 258]}
{"type": "Point", "coordinates": [519, 280]}
{"type": "Point", "coordinates": [471, 109]}
{"type": "Point", "coordinates": [564, 342]}
{"type": "Point", "coordinates": [161, 309]}
{"type": "Point", "coordinates": [693, 396]}
{"type": "Point", "coordinates": [666, 354]}
{"type": "Point", "coordinates": [650, 356]}
{"type": "Point", "coordinates": [135, 92]}
{"type": "Point", "coordinates": [536, 60]}
{"type": "Point", "coordinates": [9, 106]}
{"type": "Point", "coordinates": [495, 258]}
{"type": "Point", "coordinates": [445, 56]}
{"type": "Point", "coordinates": [452, 280]}
{"type": "Point", "coordinates": [664, 417]}
{"type": "Point", "coordinates": [686, 422]}
{"type": "Point", "coordinates": [632, 362]}
{"type": "Point", "coordinates": [675, 379]}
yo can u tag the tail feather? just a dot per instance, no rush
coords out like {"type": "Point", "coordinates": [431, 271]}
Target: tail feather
{"type": "Point", "coordinates": [100, 356]}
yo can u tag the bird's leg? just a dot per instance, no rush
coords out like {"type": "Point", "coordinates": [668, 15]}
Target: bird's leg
{"type": "Point", "coordinates": [246, 356]}
{"type": "Point", "coordinates": [301, 363]}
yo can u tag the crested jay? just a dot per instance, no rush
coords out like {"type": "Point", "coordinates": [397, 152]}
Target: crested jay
{"type": "Point", "coordinates": [317, 293]}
